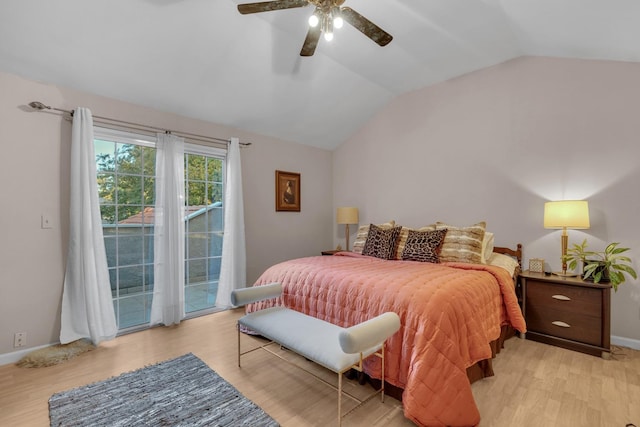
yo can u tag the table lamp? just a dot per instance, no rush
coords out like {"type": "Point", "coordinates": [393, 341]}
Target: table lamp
{"type": "Point", "coordinates": [566, 214]}
{"type": "Point", "coordinates": [347, 216]}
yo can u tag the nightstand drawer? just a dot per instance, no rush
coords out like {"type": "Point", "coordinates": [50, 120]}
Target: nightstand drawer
{"type": "Point", "coordinates": [564, 324]}
{"type": "Point", "coordinates": [570, 299]}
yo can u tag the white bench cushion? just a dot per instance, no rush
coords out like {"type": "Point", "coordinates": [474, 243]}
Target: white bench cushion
{"type": "Point", "coordinates": [312, 338]}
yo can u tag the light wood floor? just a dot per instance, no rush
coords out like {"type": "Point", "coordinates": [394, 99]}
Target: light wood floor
{"type": "Point", "coordinates": [535, 384]}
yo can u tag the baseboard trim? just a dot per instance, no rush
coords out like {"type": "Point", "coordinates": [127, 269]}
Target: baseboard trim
{"type": "Point", "coordinates": [625, 342]}
{"type": "Point", "coordinates": [13, 357]}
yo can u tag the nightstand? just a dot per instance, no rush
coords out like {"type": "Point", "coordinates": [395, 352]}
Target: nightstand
{"type": "Point", "coordinates": [331, 252]}
{"type": "Point", "coordinates": [567, 312]}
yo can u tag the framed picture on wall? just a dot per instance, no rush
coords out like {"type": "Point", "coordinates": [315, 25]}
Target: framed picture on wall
{"type": "Point", "coordinates": [287, 191]}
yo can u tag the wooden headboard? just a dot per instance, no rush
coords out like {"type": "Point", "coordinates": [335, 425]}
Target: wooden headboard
{"type": "Point", "coordinates": [517, 253]}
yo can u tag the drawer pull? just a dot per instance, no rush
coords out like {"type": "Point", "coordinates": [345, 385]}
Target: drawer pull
{"type": "Point", "coordinates": [561, 324]}
{"type": "Point", "coordinates": [561, 297]}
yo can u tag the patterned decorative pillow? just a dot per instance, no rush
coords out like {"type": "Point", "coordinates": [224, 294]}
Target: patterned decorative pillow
{"type": "Point", "coordinates": [404, 233]}
{"type": "Point", "coordinates": [381, 243]}
{"type": "Point", "coordinates": [424, 246]}
{"type": "Point", "coordinates": [363, 232]}
{"type": "Point", "coordinates": [462, 244]}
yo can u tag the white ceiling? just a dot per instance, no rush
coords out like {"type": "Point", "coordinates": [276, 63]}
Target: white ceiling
{"type": "Point", "coordinates": [202, 59]}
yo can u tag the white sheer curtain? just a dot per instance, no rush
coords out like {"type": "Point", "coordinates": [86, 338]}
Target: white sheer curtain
{"type": "Point", "coordinates": [168, 241]}
{"type": "Point", "coordinates": [233, 271]}
{"type": "Point", "coordinates": [87, 305]}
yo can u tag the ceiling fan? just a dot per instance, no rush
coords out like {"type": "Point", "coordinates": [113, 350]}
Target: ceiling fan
{"type": "Point", "coordinates": [328, 14]}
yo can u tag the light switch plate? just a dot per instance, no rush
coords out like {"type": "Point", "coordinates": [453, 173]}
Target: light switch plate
{"type": "Point", "coordinates": [45, 221]}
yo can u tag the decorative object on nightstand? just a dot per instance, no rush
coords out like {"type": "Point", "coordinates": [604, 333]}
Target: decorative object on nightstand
{"type": "Point", "coordinates": [565, 214]}
{"type": "Point", "coordinates": [536, 265]}
{"type": "Point", "coordinates": [347, 216]}
{"type": "Point", "coordinates": [567, 312]}
{"type": "Point", "coordinates": [608, 266]}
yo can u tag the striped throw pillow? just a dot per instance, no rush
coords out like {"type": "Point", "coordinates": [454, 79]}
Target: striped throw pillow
{"type": "Point", "coordinates": [462, 244]}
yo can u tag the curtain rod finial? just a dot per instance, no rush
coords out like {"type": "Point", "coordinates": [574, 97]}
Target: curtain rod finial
{"type": "Point", "coordinates": [37, 105]}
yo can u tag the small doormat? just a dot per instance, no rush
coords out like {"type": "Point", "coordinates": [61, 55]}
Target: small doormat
{"type": "Point", "coordinates": [177, 392]}
{"type": "Point", "coordinates": [55, 354]}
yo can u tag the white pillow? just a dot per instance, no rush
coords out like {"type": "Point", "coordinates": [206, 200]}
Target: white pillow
{"type": "Point", "coordinates": [487, 247]}
{"type": "Point", "coordinates": [504, 261]}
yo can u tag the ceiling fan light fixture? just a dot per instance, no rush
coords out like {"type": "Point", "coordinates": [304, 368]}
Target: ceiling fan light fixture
{"type": "Point", "coordinates": [314, 20]}
{"type": "Point", "coordinates": [327, 24]}
{"type": "Point", "coordinates": [328, 14]}
{"type": "Point", "coordinates": [338, 22]}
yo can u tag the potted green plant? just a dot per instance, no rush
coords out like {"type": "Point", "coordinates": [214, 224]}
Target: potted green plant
{"type": "Point", "coordinates": [609, 265]}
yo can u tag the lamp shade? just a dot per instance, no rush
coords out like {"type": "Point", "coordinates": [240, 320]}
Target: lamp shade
{"type": "Point", "coordinates": [566, 214]}
{"type": "Point", "coordinates": [347, 216]}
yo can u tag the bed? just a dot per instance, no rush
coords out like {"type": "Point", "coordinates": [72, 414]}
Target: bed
{"type": "Point", "coordinates": [452, 313]}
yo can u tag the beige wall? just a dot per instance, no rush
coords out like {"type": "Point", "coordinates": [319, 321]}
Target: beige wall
{"type": "Point", "coordinates": [35, 180]}
{"type": "Point", "coordinates": [491, 145]}
{"type": "Point", "coordinates": [495, 145]}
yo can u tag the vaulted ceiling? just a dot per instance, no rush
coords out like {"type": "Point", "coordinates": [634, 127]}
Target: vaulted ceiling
{"type": "Point", "coordinates": [203, 59]}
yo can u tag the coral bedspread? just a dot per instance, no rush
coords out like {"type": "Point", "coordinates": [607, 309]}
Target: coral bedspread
{"type": "Point", "coordinates": [449, 314]}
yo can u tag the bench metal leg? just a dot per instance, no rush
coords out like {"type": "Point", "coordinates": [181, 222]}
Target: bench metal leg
{"type": "Point", "coordinates": [380, 354]}
{"type": "Point", "coordinates": [238, 329]}
{"type": "Point", "coordinates": [339, 399]}
{"type": "Point", "coordinates": [382, 373]}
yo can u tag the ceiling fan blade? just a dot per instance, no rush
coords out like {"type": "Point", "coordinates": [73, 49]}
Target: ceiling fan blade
{"type": "Point", "coordinates": [310, 43]}
{"type": "Point", "coordinates": [366, 27]}
{"type": "Point", "coordinates": [266, 6]}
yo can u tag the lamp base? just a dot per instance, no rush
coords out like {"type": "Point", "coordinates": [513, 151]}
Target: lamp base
{"type": "Point", "coordinates": [567, 274]}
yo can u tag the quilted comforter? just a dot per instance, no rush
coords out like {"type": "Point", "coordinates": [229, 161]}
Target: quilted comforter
{"type": "Point", "coordinates": [449, 314]}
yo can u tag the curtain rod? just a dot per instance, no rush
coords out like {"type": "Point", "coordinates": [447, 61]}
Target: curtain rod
{"type": "Point", "coordinates": [39, 106]}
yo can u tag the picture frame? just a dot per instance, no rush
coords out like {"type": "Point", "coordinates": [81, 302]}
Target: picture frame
{"type": "Point", "coordinates": [287, 191]}
{"type": "Point", "coordinates": [536, 265]}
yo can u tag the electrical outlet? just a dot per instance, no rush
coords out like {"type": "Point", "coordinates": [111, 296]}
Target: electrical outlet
{"type": "Point", "coordinates": [20, 339]}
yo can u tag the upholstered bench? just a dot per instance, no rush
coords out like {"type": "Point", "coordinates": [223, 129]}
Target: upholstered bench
{"type": "Point", "coordinates": [333, 347]}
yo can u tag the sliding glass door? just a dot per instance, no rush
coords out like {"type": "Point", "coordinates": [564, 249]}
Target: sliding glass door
{"type": "Point", "coordinates": [204, 229]}
{"type": "Point", "coordinates": [126, 187]}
